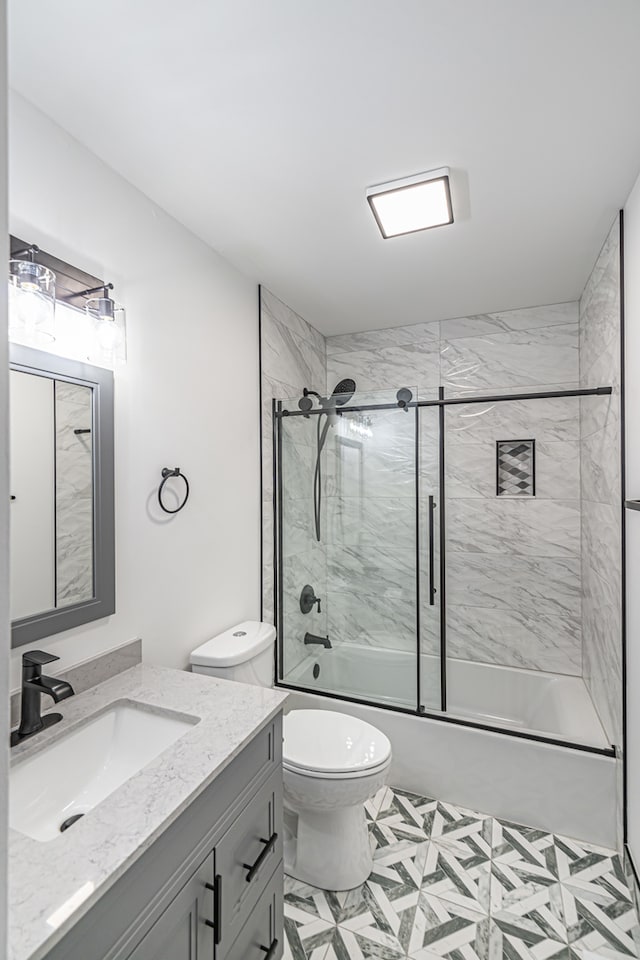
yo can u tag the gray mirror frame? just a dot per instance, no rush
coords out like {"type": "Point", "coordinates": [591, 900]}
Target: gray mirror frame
{"type": "Point", "coordinates": [103, 604]}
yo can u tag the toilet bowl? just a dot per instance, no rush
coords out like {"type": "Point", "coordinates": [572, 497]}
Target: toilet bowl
{"type": "Point", "coordinates": [332, 764]}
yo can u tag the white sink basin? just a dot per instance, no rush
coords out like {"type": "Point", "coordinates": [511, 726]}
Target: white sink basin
{"type": "Point", "coordinates": [75, 772]}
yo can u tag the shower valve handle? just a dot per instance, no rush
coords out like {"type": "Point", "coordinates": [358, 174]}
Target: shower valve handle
{"type": "Point", "coordinates": [308, 599]}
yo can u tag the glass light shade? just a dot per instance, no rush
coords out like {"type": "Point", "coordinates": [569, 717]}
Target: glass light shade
{"type": "Point", "coordinates": [109, 346]}
{"type": "Point", "coordinates": [32, 301]}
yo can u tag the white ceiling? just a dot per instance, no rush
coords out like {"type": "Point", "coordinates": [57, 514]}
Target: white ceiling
{"type": "Point", "coordinates": [259, 124]}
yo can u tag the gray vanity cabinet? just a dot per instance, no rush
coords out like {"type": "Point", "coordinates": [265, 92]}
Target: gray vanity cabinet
{"type": "Point", "coordinates": [182, 933]}
{"type": "Point", "coordinates": [210, 887]}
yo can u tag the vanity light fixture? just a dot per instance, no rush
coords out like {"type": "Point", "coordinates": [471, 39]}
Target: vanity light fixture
{"type": "Point", "coordinates": [32, 299]}
{"type": "Point", "coordinates": [412, 204]}
{"type": "Point", "coordinates": [109, 341]}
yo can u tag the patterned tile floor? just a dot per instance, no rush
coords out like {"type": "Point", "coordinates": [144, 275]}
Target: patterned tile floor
{"type": "Point", "coordinates": [449, 883]}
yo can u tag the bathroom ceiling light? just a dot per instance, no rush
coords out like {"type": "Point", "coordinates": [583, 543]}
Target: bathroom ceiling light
{"type": "Point", "coordinates": [414, 203]}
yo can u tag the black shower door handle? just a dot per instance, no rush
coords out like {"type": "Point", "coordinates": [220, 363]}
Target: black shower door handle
{"type": "Point", "coordinates": [432, 589]}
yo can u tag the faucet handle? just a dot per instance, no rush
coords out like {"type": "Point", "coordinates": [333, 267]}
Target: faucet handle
{"type": "Point", "coordinates": [37, 658]}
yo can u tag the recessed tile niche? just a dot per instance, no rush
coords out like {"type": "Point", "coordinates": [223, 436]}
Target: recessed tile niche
{"type": "Point", "coordinates": [516, 468]}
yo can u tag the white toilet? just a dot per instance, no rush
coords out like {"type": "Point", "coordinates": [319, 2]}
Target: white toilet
{"type": "Point", "coordinates": [332, 764]}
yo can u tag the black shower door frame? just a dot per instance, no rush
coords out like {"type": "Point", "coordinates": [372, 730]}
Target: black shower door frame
{"type": "Point", "coordinates": [279, 414]}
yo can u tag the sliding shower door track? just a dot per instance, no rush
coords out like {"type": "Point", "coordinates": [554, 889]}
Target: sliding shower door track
{"type": "Point", "coordinates": [455, 721]}
{"type": "Point", "coordinates": [451, 401]}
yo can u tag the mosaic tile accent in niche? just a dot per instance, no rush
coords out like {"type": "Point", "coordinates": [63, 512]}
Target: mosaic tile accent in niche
{"type": "Point", "coordinates": [516, 468]}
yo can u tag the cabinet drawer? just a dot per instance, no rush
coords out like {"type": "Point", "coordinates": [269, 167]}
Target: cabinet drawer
{"type": "Point", "coordinates": [262, 936]}
{"type": "Point", "coordinates": [247, 854]}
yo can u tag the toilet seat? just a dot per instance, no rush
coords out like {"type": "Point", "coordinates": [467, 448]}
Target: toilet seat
{"type": "Point", "coordinates": [332, 745]}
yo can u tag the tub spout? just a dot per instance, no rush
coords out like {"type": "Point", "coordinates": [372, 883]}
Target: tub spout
{"type": "Point", "coordinates": [322, 641]}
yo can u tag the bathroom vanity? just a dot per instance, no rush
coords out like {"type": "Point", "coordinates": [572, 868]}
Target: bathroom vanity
{"type": "Point", "coordinates": [183, 859]}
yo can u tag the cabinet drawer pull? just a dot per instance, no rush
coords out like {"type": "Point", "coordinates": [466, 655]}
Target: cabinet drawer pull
{"type": "Point", "coordinates": [264, 853]}
{"type": "Point", "coordinates": [215, 924]}
{"type": "Point", "coordinates": [270, 951]}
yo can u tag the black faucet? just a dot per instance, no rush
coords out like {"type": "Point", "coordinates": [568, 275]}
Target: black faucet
{"type": "Point", "coordinates": [33, 684]}
{"type": "Point", "coordinates": [322, 641]}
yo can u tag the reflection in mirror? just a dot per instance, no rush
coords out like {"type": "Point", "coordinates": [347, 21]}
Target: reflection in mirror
{"type": "Point", "coordinates": [52, 494]}
{"type": "Point", "coordinates": [62, 505]}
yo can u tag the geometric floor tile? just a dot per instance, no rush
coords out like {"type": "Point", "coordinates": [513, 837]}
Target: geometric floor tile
{"type": "Point", "coordinates": [443, 928]}
{"type": "Point", "coordinates": [454, 884]}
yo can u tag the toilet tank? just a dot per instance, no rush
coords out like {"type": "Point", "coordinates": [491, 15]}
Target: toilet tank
{"type": "Point", "coordinates": [244, 652]}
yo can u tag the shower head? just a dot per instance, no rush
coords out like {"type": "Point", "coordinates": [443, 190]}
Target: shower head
{"type": "Point", "coordinates": [343, 392]}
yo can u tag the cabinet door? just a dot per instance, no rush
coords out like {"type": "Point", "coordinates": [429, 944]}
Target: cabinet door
{"type": "Point", "coordinates": [182, 932]}
{"type": "Point", "coordinates": [246, 856]}
{"type": "Point", "coordinates": [261, 938]}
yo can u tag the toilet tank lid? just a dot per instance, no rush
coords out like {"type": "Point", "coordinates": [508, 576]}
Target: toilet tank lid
{"type": "Point", "coordinates": [236, 645]}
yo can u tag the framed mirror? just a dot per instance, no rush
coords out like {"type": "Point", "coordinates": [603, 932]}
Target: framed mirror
{"type": "Point", "coordinates": [62, 505]}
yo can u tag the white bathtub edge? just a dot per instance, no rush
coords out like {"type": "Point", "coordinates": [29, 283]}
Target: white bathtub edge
{"type": "Point", "coordinates": [557, 789]}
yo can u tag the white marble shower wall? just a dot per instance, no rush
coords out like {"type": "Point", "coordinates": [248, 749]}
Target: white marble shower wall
{"type": "Point", "coordinates": [600, 486]}
{"type": "Point", "coordinates": [514, 566]}
{"type": "Point", "coordinates": [74, 493]}
{"type": "Point", "coordinates": [293, 357]}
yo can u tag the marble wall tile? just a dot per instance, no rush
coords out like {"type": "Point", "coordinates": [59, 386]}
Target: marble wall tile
{"type": "Point", "coordinates": [308, 567]}
{"type": "Point", "coordinates": [298, 529]}
{"type": "Point", "coordinates": [601, 466]}
{"type": "Point", "coordinates": [356, 521]}
{"type": "Point", "coordinates": [293, 356]}
{"type": "Point", "coordinates": [368, 530]}
{"type": "Point", "coordinates": [388, 337]}
{"type": "Point", "coordinates": [600, 487]}
{"type": "Point", "coordinates": [416, 365]}
{"type": "Point", "coordinates": [549, 586]}
{"type": "Point", "coordinates": [599, 413]}
{"type": "Point", "coordinates": [372, 620]}
{"type": "Point", "coordinates": [470, 469]}
{"type": "Point", "coordinates": [388, 569]}
{"type": "Point", "coordinates": [601, 527]}
{"type": "Point", "coordinates": [512, 638]}
{"type": "Point", "coordinates": [600, 301]}
{"type": "Point", "coordinates": [554, 420]}
{"type": "Point", "coordinates": [297, 571]}
{"type": "Point", "coordinates": [602, 654]}
{"type": "Point", "coordinates": [534, 528]}
{"type": "Point", "coordinates": [517, 359]}
{"type": "Point", "coordinates": [529, 318]}
{"type": "Point", "coordinates": [74, 551]}
{"type": "Point", "coordinates": [288, 357]}
{"type": "Point", "coordinates": [74, 494]}
{"type": "Point", "coordinates": [297, 466]}
{"type": "Point", "coordinates": [377, 471]}
{"type": "Point", "coordinates": [284, 315]}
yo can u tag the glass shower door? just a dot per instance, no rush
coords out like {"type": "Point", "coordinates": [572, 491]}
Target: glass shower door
{"type": "Point", "coordinates": [357, 553]}
{"type": "Point", "coordinates": [432, 683]}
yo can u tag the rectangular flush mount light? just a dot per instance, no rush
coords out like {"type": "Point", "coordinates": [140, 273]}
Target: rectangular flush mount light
{"type": "Point", "coordinates": [412, 204]}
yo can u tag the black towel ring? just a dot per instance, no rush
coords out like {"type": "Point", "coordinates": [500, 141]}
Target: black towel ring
{"type": "Point", "coordinates": [166, 474]}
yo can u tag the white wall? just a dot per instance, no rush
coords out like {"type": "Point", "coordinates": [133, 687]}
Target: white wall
{"type": "Point", "coordinates": [4, 493]}
{"type": "Point", "coordinates": [632, 394]}
{"type": "Point", "coordinates": [188, 397]}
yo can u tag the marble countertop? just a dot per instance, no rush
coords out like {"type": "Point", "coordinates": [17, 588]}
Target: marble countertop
{"type": "Point", "coordinates": [52, 884]}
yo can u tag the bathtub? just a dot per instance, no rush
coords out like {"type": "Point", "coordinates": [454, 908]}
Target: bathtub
{"type": "Point", "coordinates": [547, 704]}
{"type": "Point", "coordinates": [557, 788]}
